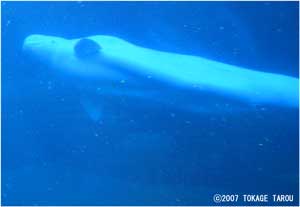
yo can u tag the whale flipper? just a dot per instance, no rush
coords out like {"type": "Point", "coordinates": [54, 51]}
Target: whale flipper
{"type": "Point", "coordinates": [93, 110]}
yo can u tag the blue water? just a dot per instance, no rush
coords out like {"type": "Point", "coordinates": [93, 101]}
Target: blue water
{"type": "Point", "coordinates": [54, 154]}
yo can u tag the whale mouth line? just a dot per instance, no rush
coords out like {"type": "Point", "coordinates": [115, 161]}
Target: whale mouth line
{"type": "Point", "coordinates": [31, 45]}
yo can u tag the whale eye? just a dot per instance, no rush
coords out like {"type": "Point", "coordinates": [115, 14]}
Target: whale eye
{"type": "Point", "coordinates": [86, 48]}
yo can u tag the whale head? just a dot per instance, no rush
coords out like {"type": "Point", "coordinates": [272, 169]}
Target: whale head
{"type": "Point", "coordinates": [44, 48]}
{"type": "Point", "coordinates": [89, 56]}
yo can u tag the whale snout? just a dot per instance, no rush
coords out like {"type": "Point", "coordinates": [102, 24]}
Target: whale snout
{"type": "Point", "coordinates": [42, 46]}
{"type": "Point", "coordinates": [33, 42]}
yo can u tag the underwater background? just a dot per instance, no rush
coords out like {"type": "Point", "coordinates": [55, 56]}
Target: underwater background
{"type": "Point", "coordinates": [54, 154]}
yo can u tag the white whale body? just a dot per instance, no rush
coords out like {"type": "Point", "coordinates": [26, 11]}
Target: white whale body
{"type": "Point", "coordinates": [112, 61]}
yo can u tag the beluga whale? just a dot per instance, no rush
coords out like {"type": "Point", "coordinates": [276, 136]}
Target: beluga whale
{"type": "Point", "coordinates": [125, 69]}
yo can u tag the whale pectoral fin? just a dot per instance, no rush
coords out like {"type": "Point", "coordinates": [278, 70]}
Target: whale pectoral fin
{"type": "Point", "coordinates": [93, 111]}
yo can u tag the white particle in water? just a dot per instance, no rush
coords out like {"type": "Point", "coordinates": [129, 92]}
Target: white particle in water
{"type": "Point", "coordinates": [188, 122]}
